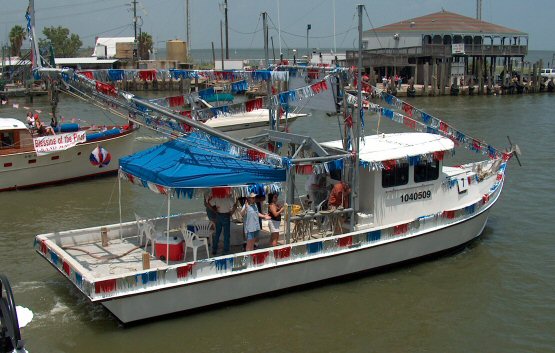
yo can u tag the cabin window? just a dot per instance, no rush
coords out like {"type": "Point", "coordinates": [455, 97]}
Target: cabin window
{"type": "Point", "coordinates": [6, 139]}
{"type": "Point", "coordinates": [425, 171]}
{"type": "Point", "coordinates": [395, 176]}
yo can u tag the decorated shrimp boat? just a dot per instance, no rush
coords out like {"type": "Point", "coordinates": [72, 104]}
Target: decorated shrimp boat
{"type": "Point", "coordinates": [406, 202]}
{"type": "Point", "coordinates": [74, 152]}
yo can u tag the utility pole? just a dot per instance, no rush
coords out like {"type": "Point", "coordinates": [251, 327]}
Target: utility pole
{"type": "Point", "coordinates": [226, 32]}
{"type": "Point", "coordinates": [479, 10]}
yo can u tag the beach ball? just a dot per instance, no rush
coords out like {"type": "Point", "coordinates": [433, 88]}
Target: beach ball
{"type": "Point", "coordinates": [100, 157]}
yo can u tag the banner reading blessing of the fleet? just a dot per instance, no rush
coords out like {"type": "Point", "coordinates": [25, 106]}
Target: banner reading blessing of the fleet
{"type": "Point", "coordinates": [53, 143]}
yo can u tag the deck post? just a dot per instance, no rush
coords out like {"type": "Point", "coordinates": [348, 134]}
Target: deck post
{"type": "Point", "coordinates": [119, 202]}
{"type": "Point", "coordinates": [289, 197]}
{"type": "Point", "coordinates": [168, 229]}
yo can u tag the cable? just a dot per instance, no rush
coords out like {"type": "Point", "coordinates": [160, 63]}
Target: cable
{"type": "Point", "coordinates": [373, 30]}
{"type": "Point", "coordinates": [82, 13]}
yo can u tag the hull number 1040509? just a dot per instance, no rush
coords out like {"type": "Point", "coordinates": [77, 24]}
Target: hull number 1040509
{"type": "Point", "coordinates": [417, 195]}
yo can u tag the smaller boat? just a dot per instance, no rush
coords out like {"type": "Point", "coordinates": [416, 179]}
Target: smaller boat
{"type": "Point", "coordinates": [248, 124]}
{"type": "Point", "coordinates": [74, 152]}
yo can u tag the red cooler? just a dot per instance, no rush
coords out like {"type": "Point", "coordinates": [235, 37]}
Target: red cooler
{"type": "Point", "coordinates": [175, 245]}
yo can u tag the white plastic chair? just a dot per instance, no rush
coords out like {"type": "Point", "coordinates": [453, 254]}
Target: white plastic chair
{"type": "Point", "coordinates": [204, 230]}
{"type": "Point", "coordinates": [141, 231]}
{"type": "Point", "coordinates": [194, 242]}
{"type": "Point", "coordinates": [150, 233]}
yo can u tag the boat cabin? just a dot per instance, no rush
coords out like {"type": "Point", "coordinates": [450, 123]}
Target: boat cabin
{"type": "Point", "coordinates": [400, 177]}
{"type": "Point", "coordinates": [14, 136]}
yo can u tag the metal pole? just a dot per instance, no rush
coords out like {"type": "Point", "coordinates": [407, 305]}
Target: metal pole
{"type": "Point", "coordinates": [36, 53]}
{"type": "Point", "coordinates": [226, 32]}
{"type": "Point", "coordinates": [168, 228]}
{"type": "Point", "coordinates": [135, 53]}
{"type": "Point", "coordinates": [119, 202]}
{"type": "Point", "coordinates": [269, 81]}
{"type": "Point", "coordinates": [222, 43]}
{"type": "Point", "coordinates": [308, 27]}
{"type": "Point", "coordinates": [187, 13]}
{"type": "Point", "coordinates": [279, 33]}
{"type": "Point", "coordinates": [356, 123]}
{"type": "Point", "coordinates": [334, 44]}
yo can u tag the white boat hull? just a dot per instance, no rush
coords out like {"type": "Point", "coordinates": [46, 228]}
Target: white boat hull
{"type": "Point", "coordinates": [26, 169]}
{"type": "Point", "coordinates": [249, 124]}
{"type": "Point", "coordinates": [169, 300]}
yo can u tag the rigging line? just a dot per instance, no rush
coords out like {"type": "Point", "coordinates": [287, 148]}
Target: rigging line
{"type": "Point", "coordinates": [110, 199]}
{"type": "Point", "coordinates": [108, 30]}
{"type": "Point", "coordinates": [309, 12]}
{"type": "Point", "coordinates": [373, 29]}
{"type": "Point", "coordinates": [71, 4]}
{"type": "Point", "coordinates": [80, 13]}
{"type": "Point", "coordinates": [347, 33]}
{"type": "Point", "coordinates": [317, 37]}
{"type": "Point", "coordinates": [257, 24]}
{"type": "Point", "coordinates": [169, 133]}
{"type": "Point", "coordinates": [245, 33]}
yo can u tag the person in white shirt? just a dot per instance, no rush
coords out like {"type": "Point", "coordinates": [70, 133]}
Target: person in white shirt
{"type": "Point", "coordinates": [223, 208]}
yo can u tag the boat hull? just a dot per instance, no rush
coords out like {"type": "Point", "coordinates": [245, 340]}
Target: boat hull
{"type": "Point", "coordinates": [164, 301]}
{"type": "Point", "coordinates": [26, 169]}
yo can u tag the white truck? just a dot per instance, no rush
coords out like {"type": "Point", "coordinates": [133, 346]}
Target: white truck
{"type": "Point", "coordinates": [548, 73]}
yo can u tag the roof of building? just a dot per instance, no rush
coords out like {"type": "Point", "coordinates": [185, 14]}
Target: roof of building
{"type": "Point", "coordinates": [445, 21]}
{"type": "Point", "coordinates": [110, 43]}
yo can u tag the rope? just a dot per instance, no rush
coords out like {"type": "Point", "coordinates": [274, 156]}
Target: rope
{"type": "Point", "coordinates": [104, 257]}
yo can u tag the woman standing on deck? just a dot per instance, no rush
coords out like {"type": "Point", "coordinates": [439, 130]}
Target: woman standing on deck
{"type": "Point", "coordinates": [250, 215]}
{"type": "Point", "coordinates": [275, 211]}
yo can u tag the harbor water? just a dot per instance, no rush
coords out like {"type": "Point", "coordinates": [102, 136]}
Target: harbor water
{"type": "Point", "coordinates": [497, 294]}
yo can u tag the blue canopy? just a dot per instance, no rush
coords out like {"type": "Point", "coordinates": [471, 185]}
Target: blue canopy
{"type": "Point", "coordinates": [195, 162]}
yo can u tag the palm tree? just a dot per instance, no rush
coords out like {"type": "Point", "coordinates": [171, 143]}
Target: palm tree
{"type": "Point", "coordinates": [145, 45]}
{"type": "Point", "coordinates": [17, 36]}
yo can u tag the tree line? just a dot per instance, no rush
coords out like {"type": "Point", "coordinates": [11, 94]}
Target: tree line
{"type": "Point", "coordinates": [64, 43]}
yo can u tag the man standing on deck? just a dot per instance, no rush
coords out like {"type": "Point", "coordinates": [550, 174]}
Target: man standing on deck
{"type": "Point", "coordinates": [223, 206]}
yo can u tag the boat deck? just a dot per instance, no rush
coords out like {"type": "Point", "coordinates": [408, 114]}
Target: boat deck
{"type": "Point", "coordinates": [122, 256]}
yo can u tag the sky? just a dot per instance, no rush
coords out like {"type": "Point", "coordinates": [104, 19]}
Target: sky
{"type": "Point", "coordinates": [165, 19]}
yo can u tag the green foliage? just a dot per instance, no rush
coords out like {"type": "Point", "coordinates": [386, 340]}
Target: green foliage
{"type": "Point", "coordinates": [65, 44]}
{"type": "Point", "coordinates": [145, 44]}
{"type": "Point", "coordinates": [17, 36]}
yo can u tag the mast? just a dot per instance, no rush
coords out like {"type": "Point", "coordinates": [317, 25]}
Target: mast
{"type": "Point", "coordinates": [188, 25]}
{"type": "Point", "coordinates": [35, 43]}
{"type": "Point", "coordinates": [356, 123]}
{"type": "Point", "coordinates": [267, 63]}
{"type": "Point", "coordinates": [334, 44]}
{"type": "Point", "coordinates": [279, 35]}
{"type": "Point", "coordinates": [226, 32]}
{"type": "Point", "coordinates": [135, 51]}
